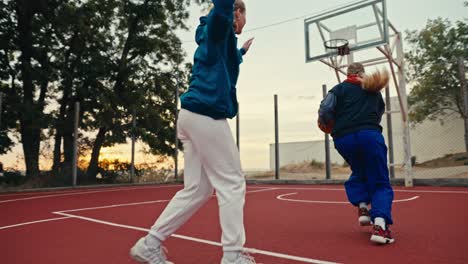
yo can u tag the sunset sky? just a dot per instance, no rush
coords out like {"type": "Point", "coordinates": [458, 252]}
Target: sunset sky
{"type": "Point", "coordinates": [275, 65]}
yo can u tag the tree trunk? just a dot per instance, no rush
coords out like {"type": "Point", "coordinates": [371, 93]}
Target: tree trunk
{"type": "Point", "coordinates": [30, 138]}
{"type": "Point", "coordinates": [118, 86]}
{"type": "Point", "coordinates": [30, 132]}
{"type": "Point", "coordinates": [93, 164]}
{"type": "Point", "coordinates": [61, 122]}
{"type": "Point", "coordinates": [60, 125]}
{"type": "Point", "coordinates": [57, 153]}
{"type": "Point", "coordinates": [68, 144]}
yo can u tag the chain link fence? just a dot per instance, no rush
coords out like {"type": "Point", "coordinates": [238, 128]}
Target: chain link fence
{"type": "Point", "coordinates": [438, 150]}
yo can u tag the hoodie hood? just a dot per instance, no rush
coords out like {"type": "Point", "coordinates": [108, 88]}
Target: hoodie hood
{"type": "Point", "coordinates": [200, 29]}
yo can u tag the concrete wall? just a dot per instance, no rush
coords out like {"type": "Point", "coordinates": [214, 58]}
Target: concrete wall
{"type": "Point", "coordinates": [429, 140]}
{"type": "Point", "coordinates": [297, 152]}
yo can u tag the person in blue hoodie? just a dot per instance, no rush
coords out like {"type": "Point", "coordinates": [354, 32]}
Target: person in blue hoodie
{"type": "Point", "coordinates": [212, 160]}
{"type": "Point", "coordinates": [352, 112]}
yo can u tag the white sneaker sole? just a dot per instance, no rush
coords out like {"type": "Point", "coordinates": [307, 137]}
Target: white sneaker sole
{"type": "Point", "coordinates": [136, 257]}
{"type": "Point", "coordinates": [139, 259]}
{"type": "Point", "coordinates": [364, 221]}
{"type": "Point", "coordinates": [381, 240]}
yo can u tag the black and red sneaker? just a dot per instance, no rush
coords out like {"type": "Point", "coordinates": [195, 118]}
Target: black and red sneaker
{"type": "Point", "coordinates": [364, 217]}
{"type": "Point", "coordinates": [382, 236]}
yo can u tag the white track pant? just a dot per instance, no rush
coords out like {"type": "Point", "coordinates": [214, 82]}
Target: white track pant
{"type": "Point", "coordinates": [211, 162]}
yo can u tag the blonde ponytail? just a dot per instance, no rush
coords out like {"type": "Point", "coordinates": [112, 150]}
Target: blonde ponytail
{"type": "Point", "coordinates": [376, 81]}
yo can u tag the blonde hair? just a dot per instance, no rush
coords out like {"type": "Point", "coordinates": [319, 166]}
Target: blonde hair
{"type": "Point", "coordinates": [373, 82]}
{"type": "Point", "coordinates": [376, 81]}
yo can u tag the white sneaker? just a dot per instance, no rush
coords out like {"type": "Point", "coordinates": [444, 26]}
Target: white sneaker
{"type": "Point", "coordinates": [144, 254]}
{"type": "Point", "coordinates": [243, 258]}
{"type": "Point", "coordinates": [364, 217]}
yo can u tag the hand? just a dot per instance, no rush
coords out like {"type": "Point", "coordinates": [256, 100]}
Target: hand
{"type": "Point", "coordinates": [247, 44]}
{"type": "Point", "coordinates": [328, 128]}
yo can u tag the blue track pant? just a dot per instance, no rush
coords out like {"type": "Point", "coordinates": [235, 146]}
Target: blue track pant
{"type": "Point", "coordinates": [365, 151]}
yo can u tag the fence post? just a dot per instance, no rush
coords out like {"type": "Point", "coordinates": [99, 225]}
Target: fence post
{"type": "Point", "coordinates": [132, 166]}
{"type": "Point", "coordinates": [464, 93]}
{"type": "Point", "coordinates": [176, 139]}
{"type": "Point", "coordinates": [75, 144]}
{"type": "Point", "coordinates": [327, 144]}
{"type": "Point", "coordinates": [277, 163]}
{"type": "Point", "coordinates": [391, 158]}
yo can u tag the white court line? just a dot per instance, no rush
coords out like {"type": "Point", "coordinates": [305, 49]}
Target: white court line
{"type": "Point", "coordinates": [113, 206]}
{"type": "Point", "coordinates": [395, 190]}
{"type": "Point", "coordinates": [170, 186]}
{"type": "Point", "coordinates": [86, 192]}
{"type": "Point", "coordinates": [37, 192]}
{"type": "Point", "coordinates": [35, 222]}
{"type": "Point", "coordinates": [137, 203]}
{"type": "Point", "coordinates": [280, 197]}
{"type": "Point", "coordinates": [262, 190]}
{"type": "Point", "coordinates": [102, 191]}
{"type": "Point", "coordinates": [203, 241]}
{"type": "Point", "coordinates": [260, 187]}
{"type": "Point", "coordinates": [104, 207]}
{"type": "Point", "coordinates": [426, 191]}
{"type": "Point", "coordinates": [70, 190]}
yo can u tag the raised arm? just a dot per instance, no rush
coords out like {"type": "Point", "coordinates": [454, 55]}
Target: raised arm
{"type": "Point", "coordinates": [220, 19]}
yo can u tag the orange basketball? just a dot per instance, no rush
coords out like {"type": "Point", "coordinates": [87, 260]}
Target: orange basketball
{"type": "Point", "coordinates": [326, 128]}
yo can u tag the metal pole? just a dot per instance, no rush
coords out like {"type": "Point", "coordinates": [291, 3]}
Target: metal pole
{"type": "Point", "coordinates": [176, 139]}
{"type": "Point", "coordinates": [464, 93]}
{"type": "Point", "coordinates": [391, 158]}
{"type": "Point", "coordinates": [401, 88]}
{"type": "Point", "coordinates": [277, 163]}
{"type": "Point", "coordinates": [132, 165]}
{"type": "Point", "coordinates": [75, 143]}
{"type": "Point", "coordinates": [327, 145]}
{"type": "Point", "coordinates": [338, 75]}
{"type": "Point", "coordinates": [238, 128]}
{"type": "Point", "coordinates": [176, 117]}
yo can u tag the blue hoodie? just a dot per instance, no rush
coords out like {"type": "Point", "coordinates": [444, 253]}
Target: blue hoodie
{"type": "Point", "coordinates": [352, 108]}
{"type": "Point", "coordinates": [212, 90]}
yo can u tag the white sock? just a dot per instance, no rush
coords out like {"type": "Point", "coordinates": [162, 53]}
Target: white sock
{"type": "Point", "coordinates": [152, 241]}
{"type": "Point", "coordinates": [380, 222]}
{"type": "Point", "coordinates": [231, 255]}
{"type": "Point", "coordinates": [363, 205]}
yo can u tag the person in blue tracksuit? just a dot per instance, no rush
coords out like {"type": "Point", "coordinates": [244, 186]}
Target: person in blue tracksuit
{"type": "Point", "coordinates": [353, 110]}
{"type": "Point", "coordinates": [211, 157]}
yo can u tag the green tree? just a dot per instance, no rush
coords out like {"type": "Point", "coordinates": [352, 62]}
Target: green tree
{"type": "Point", "coordinates": [27, 40]}
{"type": "Point", "coordinates": [8, 85]}
{"type": "Point", "coordinates": [84, 67]}
{"type": "Point", "coordinates": [433, 69]}
{"type": "Point", "coordinates": [118, 57]}
{"type": "Point", "coordinates": [147, 54]}
{"type": "Point", "coordinates": [114, 57]}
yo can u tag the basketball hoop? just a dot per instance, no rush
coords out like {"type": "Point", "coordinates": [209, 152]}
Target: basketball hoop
{"type": "Point", "coordinates": [340, 45]}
